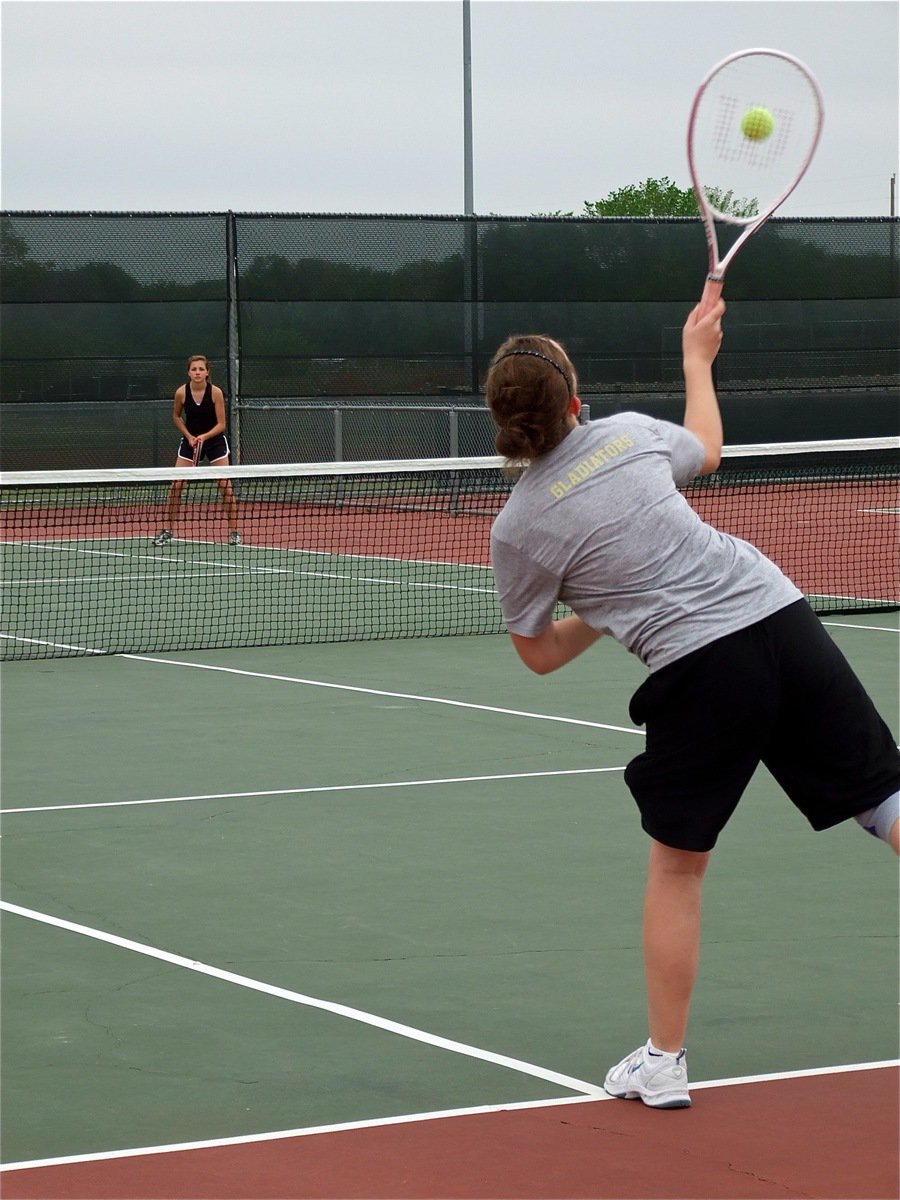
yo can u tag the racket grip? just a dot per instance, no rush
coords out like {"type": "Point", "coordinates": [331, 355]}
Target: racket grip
{"type": "Point", "coordinates": [711, 294]}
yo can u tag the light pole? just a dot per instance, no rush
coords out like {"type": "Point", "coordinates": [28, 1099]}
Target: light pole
{"type": "Point", "coordinates": [470, 332]}
{"type": "Point", "coordinates": [468, 188]}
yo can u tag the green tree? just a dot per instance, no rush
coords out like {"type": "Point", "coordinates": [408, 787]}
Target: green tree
{"type": "Point", "coordinates": [13, 249]}
{"type": "Point", "coordinates": [663, 198]}
{"type": "Point", "coordinates": [727, 202]}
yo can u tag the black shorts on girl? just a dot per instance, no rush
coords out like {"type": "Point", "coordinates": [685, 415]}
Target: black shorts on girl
{"type": "Point", "coordinates": [213, 450]}
{"type": "Point", "coordinates": [779, 693]}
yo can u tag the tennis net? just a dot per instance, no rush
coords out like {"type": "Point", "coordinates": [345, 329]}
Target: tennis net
{"type": "Point", "coordinates": [351, 551]}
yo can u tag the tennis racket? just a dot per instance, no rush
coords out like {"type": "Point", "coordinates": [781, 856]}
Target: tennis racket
{"type": "Point", "coordinates": [198, 445]}
{"type": "Point", "coordinates": [754, 127]}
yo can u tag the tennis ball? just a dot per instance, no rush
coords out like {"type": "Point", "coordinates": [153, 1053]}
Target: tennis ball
{"type": "Point", "coordinates": [757, 124]}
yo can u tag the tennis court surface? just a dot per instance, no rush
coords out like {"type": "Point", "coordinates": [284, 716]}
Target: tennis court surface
{"type": "Point", "coordinates": [361, 918]}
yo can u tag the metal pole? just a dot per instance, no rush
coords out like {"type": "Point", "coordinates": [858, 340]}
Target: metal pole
{"type": "Point", "coordinates": [233, 337]}
{"type": "Point", "coordinates": [893, 194]}
{"type": "Point", "coordinates": [468, 188]}
{"type": "Point", "coordinates": [471, 232]}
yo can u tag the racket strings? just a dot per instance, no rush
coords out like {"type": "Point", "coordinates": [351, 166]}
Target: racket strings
{"type": "Point", "coordinates": [730, 145]}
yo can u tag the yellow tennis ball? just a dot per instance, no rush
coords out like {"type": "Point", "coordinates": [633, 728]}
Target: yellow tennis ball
{"type": "Point", "coordinates": [757, 124]}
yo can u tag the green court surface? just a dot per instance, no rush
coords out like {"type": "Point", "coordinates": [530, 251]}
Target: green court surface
{"type": "Point", "coordinates": [241, 866]}
{"type": "Point", "coordinates": [123, 591]}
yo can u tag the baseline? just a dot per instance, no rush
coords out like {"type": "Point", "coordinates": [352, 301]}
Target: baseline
{"type": "Point", "coordinates": [336, 787]}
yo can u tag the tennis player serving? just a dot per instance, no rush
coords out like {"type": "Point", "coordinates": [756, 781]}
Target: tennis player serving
{"type": "Point", "coordinates": [741, 669]}
{"type": "Point", "coordinates": [198, 413]}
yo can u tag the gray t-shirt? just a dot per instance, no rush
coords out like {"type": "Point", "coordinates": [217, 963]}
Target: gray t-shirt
{"type": "Point", "coordinates": [599, 524]}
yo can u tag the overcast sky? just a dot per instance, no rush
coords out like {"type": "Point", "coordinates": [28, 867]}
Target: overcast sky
{"type": "Point", "coordinates": [357, 105]}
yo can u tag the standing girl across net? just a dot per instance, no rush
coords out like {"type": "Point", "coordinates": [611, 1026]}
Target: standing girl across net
{"type": "Point", "coordinates": [198, 413]}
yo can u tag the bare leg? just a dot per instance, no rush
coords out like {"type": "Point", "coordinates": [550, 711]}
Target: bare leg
{"type": "Point", "coordinates": [230, 501]}
{"type": "Point", "coordinates": [173, 503]}
{"type": "Point", "coordinates": [882, 821]}
{"type": "Point", "coordinates": [226, 491]}
{"type": "Point", "coordinates": [672, 905]}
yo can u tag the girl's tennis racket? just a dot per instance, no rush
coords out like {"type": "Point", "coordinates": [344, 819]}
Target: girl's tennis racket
{"type": "Point", "coordinates": [754, 127]}
{"type": "Point", "coordinates": [198, 444]}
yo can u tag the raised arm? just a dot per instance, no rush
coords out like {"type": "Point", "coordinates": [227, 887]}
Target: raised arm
{"type": "Point", "coordinates": [700, 341]}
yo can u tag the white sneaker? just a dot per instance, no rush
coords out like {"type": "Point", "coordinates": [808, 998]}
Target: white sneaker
{"type": "Point", "coordinates": [659, 1080]}
{"type": "Point", "coordinates": [234, 538]}
{"type": "Point", "coordinates": [164, 535]}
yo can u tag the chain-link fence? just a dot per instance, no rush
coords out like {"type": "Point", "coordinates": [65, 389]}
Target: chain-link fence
{"type": "Point", "coordinates": [353, 337]}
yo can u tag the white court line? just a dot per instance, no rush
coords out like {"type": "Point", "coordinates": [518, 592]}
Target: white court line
{"type": "Point", "coordinates": [337, 787]}
{"type": "Point", "coordinates": [237, 568]}
{"type": "Point", "coordinates": [874, 628]}
{"type": "Point", "coordinates": [12, 637]}
{"type": "Point", "coordinates": [76, 547]}
{"type": "Point", "coordinates": [66, 548]}
{"type": "Point", "coordinates": [129, 579]}
{"type": "Point", "coordinates": [343, 687]}
{"type": "Point", "coordinates": [340, 1010]}
{"type": "Point", "coordinates": [232, 572]}
{"type": "Point", "coordinates": [346, 687]}
{"type": "Point", "coordinates": [416, 1118]}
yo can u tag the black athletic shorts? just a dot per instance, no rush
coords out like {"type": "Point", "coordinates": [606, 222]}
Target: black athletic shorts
{"type": "Point", "coordinates": [779, 692]}
{"type": "Point", "coordinates": [212, 450]}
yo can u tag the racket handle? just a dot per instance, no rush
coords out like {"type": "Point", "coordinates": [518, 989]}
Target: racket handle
{"type": "Point", "coordinates": [711, 294]}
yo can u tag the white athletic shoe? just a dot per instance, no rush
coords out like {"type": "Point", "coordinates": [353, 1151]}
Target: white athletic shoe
{"type": "Point", "coordinates": [234, 538]}
{"type": "Point", "coordinates": [164, 535]}
{"type": "Point", "coordinates": [659, 1080]}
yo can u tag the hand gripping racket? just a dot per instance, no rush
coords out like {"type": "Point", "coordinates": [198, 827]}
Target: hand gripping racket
{"type": "Point", "coordinates": [198, 445]}
{"type": "Point", "coordinates": [754, 127]}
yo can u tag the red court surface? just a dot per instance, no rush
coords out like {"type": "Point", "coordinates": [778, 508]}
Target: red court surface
{"type": "Point", "coordinates": [819, 1136]}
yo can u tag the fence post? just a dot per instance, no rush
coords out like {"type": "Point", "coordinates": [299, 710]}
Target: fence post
{"type": "Point", "coordinates": [233, 334]}
{"type": "Point", "coordinates": [454, 433]}
{"type": "Point", "coordinates": [471, 330]}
